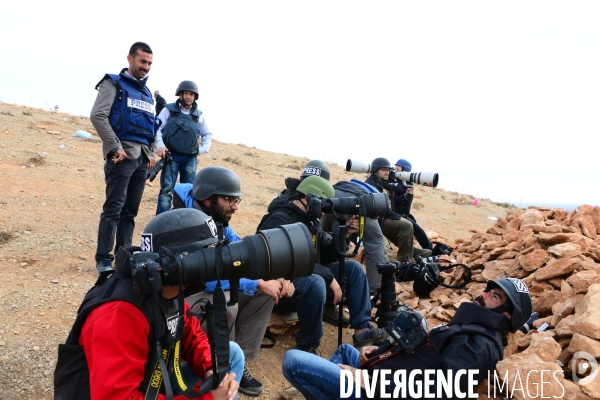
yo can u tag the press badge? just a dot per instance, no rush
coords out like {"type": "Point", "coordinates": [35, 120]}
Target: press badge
{"type": "Point", "coordinates": [139, 104]}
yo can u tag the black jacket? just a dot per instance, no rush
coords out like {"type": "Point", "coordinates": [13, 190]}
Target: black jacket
{"type": "Point", "coordinates": [160, 104]}
{"type": "Point", "coordinates": [473, 339]}
{"type": "Point", "coordinates": [374, 181]}
{"type": "Point", "coordinates": [402, 200]}
{"type": "Point", "coordinates": [282, 212]}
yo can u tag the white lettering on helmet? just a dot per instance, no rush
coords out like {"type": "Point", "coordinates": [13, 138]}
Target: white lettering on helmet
{"type": "Point", "coordinates": [316, 171]}
{"type": "Point", "coordinates": [146, 244]}
{"type": "Point", "coordinates": [520, 286]}
{"type": "Point", "coordinates": [212, 226]}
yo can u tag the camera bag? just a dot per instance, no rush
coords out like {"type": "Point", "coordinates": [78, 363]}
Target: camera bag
{"type": "Point", "coordinates": [428, 278]}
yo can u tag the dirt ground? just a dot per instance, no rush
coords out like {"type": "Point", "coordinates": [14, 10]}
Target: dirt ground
{"type": "Point", "coordinates": [51, 195]}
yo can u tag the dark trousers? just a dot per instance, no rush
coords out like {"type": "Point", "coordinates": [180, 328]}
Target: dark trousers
{"type": "Point", "coordinates": [419, 233]}
{"type": "Point", "coordinates": [125, 182]}
{"type": "Point", "coordinates": [308, 301]}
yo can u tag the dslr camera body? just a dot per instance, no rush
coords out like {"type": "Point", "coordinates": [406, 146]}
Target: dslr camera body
{"type": "Point", "coordinates": [159, 166]}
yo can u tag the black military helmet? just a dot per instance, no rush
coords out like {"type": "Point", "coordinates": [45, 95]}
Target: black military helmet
{"type": "Point", "coordinates": [380, 162]}
{"type": "Point", "coordinates": [189, 86]}
{"type": "Point", "coordinates": [519, 298]}
{"type": "Point", "coordinates": [316, 168]}
{"type": "Point", "coordinates": [179, 230]}
{"type": "Point", "coordinates": [216, 181]}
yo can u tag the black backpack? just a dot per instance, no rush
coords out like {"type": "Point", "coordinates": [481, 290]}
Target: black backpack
{"type": "Point", "coordinates": [426, 275]}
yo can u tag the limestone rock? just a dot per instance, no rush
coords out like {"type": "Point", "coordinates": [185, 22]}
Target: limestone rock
{"type": "Point", "coordinates": [574, 392]}
{"type": "Point", "coordinates": [557, 267]}
{"type": "Point", "coordinates": [581, 281]}
{"type": "Point", "coordinates": [524, 372]}
{"type": "Point", "coordinates": [543, 302]}
{"type": "Point", "coordinates": [563, 329]}
{"type": "Point", "coordinates": [565, 250]}
{"type": "Point", "coordinates": [587, 322]}
{"type": "Point", "coordinates": [581, 342]}
{"type": "Point", "coordinates": [544, 347]}
{"type": "Point", "coordinates": [534, 260]}
{"type": "Point", "coordinates": [554, 238]}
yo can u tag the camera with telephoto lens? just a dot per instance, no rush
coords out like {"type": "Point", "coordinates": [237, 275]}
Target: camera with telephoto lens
{"type": "Point", "coordinates": [420, 178]}
{"type": "Point", "coordinates": [387, 308]}
{"type": "Point", "coordinates": [372, 205]}
{"type": "Point", "coordinates": [158, 166]}
{"type": "Point", "coordinates": [283, 252]}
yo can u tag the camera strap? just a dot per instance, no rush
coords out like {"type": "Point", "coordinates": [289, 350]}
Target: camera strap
{"type": "Point", "coordinates": [450, 267]}
{"type": "Point", "coordinates": [220, 357]}
{"type": "Point", "coordinates": [156, 285]}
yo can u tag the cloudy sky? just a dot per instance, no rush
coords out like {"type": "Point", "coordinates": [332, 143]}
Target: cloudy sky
{"type": "Point", "coordinates": [502, 99]}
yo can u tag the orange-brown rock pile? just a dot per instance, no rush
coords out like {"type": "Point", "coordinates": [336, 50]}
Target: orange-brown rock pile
{"type": "Point", "coordinates": [557, 253]}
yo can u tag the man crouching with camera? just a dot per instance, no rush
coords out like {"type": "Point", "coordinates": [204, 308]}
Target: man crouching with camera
{"type": "Point", "coordinates": [132, 338]}
{"type": "Point", "coordinates": [473, 341]}
{"type": "Point", "coordinates": [310, 292]}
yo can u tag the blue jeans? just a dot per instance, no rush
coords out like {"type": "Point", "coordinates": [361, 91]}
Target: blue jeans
{"type": "Point", "coordinates": [236, 365]}
{"type": "Point", "coordinates": [308, 301]}
{"type": "Point", "coordinates": [315, 377]}
{"type": "Point", "coordinates": [182, 164]}
{"type": "Point", "coordinates": [125, 182]}
{"type": "Point", "coordinates": [358, 299]}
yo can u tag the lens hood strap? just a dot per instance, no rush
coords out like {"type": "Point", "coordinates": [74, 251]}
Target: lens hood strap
{"type": "Point", "coordinates": [460, 285]}
{"type": "Point", "coordinates": [163, 367]}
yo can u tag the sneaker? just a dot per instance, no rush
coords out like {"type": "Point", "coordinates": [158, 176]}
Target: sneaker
{"type": "Point", "coordinates": [249, 385]}
{"type": "Point", "coordinates": [373, 336]}
{"type": "Point", "coordinates": [104, 266]}
{"type": "Point", "coordinates": [331, 315]}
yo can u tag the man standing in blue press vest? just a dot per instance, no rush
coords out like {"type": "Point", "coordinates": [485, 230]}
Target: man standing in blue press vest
{"type": "Point", "coordinates": [123, 118]}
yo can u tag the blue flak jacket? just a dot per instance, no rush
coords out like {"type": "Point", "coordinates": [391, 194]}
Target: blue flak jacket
{"type": "Point", "coordinates": [132, 113]}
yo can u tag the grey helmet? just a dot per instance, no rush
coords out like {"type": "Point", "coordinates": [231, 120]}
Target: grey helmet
{"type": "Point", "coordinates": [316, 168]}
{"type": "Point", "coordinates": [179, 230]}
{"type": "Point", "coordinates": [379, 163]}
{"type": "Point", "coordinates": [212, 181]}
{"type": "Point", "coordinates": [518, 295]}
{"type": "Point", "coordinates": [189, 86]}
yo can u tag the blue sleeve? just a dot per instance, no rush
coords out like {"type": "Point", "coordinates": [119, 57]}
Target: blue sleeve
{"type": "Point", "coordinates": [231, 235]}
{"type": "Point", "coordinates": [247, 286]}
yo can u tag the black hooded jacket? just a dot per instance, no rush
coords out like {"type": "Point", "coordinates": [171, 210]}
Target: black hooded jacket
{"type": "Point", "coordinates": [283, 212]}
{"type": "Point", "coordinates": [472, 340]}
{"type": "Point", "coordinates": [376, 182]}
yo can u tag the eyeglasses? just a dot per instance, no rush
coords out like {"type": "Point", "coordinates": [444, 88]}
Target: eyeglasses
{"type": "Point", "coordinates": [232, 200]}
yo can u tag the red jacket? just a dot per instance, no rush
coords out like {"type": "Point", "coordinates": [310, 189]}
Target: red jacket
{"type": "Point", "coordinates": [114, 337]}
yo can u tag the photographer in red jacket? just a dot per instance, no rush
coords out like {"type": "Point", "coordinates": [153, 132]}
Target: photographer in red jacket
{"type": "Point", "coordinates": [122, 326]}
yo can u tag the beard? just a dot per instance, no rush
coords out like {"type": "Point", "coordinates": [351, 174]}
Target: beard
{"type": "Point", "coordinates": [479, 300]}
{"type": "Point", "coordinates": [220, 215]}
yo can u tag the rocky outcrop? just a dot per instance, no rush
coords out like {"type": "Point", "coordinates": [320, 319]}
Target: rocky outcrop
{"type": "Point", "coordinates": [557, 254]}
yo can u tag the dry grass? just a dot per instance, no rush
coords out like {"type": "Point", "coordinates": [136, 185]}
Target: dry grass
{"type": "Point", "coordinates": [233, 160]}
